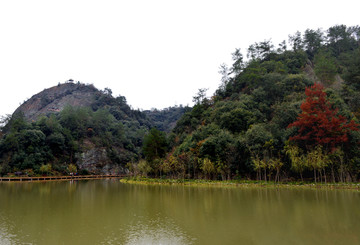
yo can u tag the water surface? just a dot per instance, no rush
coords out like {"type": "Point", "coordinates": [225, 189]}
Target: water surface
{"type": "Point", "coordinates": [110, 212]}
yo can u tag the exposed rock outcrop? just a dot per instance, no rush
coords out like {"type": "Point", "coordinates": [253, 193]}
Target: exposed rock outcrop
{"type": "Point", "coordinates": [91, 158]}
{"type": "Point", "coordinates": [54, 99]}
{"type": "Point", "coordinates": [96, 161]}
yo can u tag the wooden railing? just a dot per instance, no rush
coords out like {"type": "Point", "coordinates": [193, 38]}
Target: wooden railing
{"type": "Point", "coordinates": [49, 178]}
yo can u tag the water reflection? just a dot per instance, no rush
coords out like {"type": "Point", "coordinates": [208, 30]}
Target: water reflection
{"type": "Point", "coordinates": [155, 232]}
{"type": "Point", "coordinates": [109, 212]}
{"type": "Point", "coordinates": [6, 237]}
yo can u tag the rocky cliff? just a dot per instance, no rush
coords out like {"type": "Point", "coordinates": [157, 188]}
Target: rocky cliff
{"type": "Point", "coordinates": [54, 99]}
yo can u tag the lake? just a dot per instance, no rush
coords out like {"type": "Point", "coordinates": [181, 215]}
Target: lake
{"type": "Point", "coordinates": [110, 212]}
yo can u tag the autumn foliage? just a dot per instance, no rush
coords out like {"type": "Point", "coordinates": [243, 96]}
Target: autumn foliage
{"type": "Point", "coordinates": [319, 123]}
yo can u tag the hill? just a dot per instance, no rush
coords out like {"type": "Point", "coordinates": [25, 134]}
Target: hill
{"type": "Point", "coordinates": [285, 113]}
{"type": "Point", "coordinates": [74, 123]}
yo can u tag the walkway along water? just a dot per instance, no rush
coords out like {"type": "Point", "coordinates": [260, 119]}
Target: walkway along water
{"type": "Point", "coordinates": [49, 178]}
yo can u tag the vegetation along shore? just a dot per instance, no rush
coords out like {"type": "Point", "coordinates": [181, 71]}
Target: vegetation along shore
{"type": "Point", "coordinates": [287, 112]}
{"type": "Point", "coordinates": [239, 183]}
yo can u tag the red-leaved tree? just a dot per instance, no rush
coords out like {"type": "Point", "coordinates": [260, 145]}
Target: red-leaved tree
{"type": "Point", "coordinates": [319, 124]}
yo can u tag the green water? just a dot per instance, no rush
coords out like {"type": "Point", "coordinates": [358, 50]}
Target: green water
{"type": "Point", "coordinates": [109, 212]}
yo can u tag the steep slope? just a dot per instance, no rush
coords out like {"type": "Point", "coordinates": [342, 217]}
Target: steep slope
{"type": "Point", "coordinates": [54, 99]}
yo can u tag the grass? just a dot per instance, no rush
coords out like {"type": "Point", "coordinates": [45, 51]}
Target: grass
{"type": "Point", "coordinates": [238, 183]}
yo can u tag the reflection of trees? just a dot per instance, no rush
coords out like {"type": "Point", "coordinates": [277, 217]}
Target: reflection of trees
{"type": "Point", "coordinates": [111, 212]}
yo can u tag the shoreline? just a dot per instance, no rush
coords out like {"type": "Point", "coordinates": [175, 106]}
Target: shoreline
{"type": "Point", "coordinates": [239, 183]}
{"type": "Point", "coordinates": [189, 182]}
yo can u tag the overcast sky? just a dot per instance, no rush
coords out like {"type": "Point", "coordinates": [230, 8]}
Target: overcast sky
{"type": "Point", "coordinates": [155, 53]}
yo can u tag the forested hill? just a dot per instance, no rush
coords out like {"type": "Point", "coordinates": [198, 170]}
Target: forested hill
{"type": "Point", "coordinates": [165, 120]}
{"type": "Point", "coordinates": [286, 112]}
{"type": "Point", "coordinates": [289, 111]}
{"type": "Point", "coordinates": [75, 123]}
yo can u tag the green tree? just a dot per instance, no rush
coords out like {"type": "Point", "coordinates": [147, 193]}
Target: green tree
{"type": "Point", "coordinates": [317, 159]}
{"type": "Point", "coordinates": [144, 168]}
{"type": "Point", "coordinates": [339, 38]}
{"type": "Point", "coordinates": [298, 163]}
{"type": "Point", "coordinates": [236, 120]}
{"type": "Point", "coordinates": [325, 68]}
{"type": "Point", "coordinates": [208, 167]}
{"type": "Point", "coordinates": [352, 73]}
{"type": "Point", "coordinates": [261, 50]}
{"type": "Point", "coordinates": [200, 97]}
{"type": "Point", "coordinates": [313, 41]}
{"type": "Point", "coordinates": [238, 63]}
{"type": "Point", "coordinates": [258, 165]}
{"type": "Point", "coordinates": [155, 145]}
{"type": "Point", "coordinates": [296, 41]}
{"type": "Point", "coordinates": [282, 47]}
{"type": "Point", "coordinates": [275, 164]}
{"type": "Point", "coordinates": [46, 168]}
{"type": "Point", "coordinates": [72, 168]}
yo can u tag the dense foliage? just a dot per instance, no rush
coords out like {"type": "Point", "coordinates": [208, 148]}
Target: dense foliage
{"type": "Point", "coordinates": [285, 113]}
{"type": "Point", "coordinates": [53, 143]}
{"type": "Point", "coordinates": [271, 118]}
{"type": "Point", "coordinates": [165, 120]}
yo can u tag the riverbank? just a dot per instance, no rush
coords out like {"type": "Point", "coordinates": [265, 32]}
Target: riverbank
{"type": "Point", "coordinates": [238, 183]}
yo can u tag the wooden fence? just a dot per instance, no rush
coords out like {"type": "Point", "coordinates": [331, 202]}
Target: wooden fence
{"type": "Point", "coordinates": [50, 178]}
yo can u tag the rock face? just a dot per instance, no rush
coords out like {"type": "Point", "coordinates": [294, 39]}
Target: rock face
{"type": "Point", "coordinates": [96, 161]}
{"type": "Point", "coordinates": [53, 100]}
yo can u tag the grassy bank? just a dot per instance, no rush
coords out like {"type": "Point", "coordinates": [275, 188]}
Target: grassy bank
{"type": "Point", "coordinates": [238, 183]}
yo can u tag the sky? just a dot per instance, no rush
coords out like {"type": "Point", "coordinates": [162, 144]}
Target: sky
{"type": "Point", "coordinates": [156, 53]}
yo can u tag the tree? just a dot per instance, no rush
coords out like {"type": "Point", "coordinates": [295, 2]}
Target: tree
{"type": "Point", "coordinates": [155, 145]}
{"type": "Point", "coordinates": [260, 50]}
{"type": "Point", "coordinates": [313, 41]}
{"type": "Point", "coordinates": [298, 164]}
{"type": "Point", "coordinates": [258, 165]}
{"type": "Point", "coordinates": [296, 41]}
{"type": "Point", "coordinates": [238, 62]}
{"type": "Point", "coordinates": [236, 120]}
{"type": "Point", "coordinates": [144, 167]}
{"type": "Point", "coordinates": [317, 159]}
{"type": "Point", "coordinates": [352, 74]}
{"type": "Point", "coordinates": [200, 96]}
{"type": "Point", "coordinates": [319, 123]}
{"type": "Point", "coordinates": [224, 71]}
{"type": "Point", "coordinates": [282, 47]}
{"type": "Point", "coordinates": [276, 164]}
{"type": "Point", "coordinates": [72, 168]}
{"type": "Point", "coordinates": [325, 68]}
{"type": "Point", "coordinates": [207, 166]}
{"type": "Point", "coordinates": [46, 169]}
{"type": "Point", "coordinates": [4, 120]}
{"type": "Point", "coordinates": [338, 37]}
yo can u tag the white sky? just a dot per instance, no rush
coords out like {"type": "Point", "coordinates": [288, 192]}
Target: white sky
{"type": "Point", "coordinates": [156, 53]}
